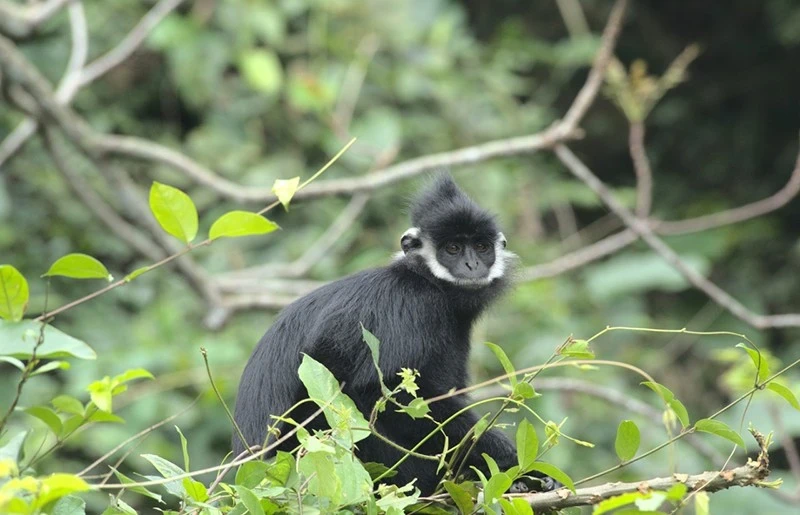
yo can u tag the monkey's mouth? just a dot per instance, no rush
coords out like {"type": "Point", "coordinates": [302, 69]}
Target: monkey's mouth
{"type": "Point", "coordinates": [473, 283]}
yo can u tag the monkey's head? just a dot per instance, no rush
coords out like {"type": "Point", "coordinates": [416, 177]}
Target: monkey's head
{"type": "Point", "coordinates": [456, 240]}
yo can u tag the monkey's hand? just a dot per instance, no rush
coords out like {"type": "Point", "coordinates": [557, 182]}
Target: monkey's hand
{"type": "Point", "coordinates": [527, 484]}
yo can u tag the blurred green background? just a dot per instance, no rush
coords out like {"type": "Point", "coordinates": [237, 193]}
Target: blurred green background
{"type": "Point", "coordinates": [259, 90]}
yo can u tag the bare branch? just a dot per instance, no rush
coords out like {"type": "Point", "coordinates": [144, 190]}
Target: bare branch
{"type": "Point", "coordinates": [97, 205]}
{"type": "Point", "coordinates": [76, 76]}
{"type": "Point", "coordinates": [751, 474]}
{"type": "Point", "coordinates": [129, 43]}
{"type": "Point", "coordinates": [21, 21]}
{"type": "Point", "coordinates": [641, 165]}
{"type": "Point", "coordinates": [588, 92]}
{"type": "Point", "coordinates": [738, 214]}
{"type": "Point", "coordinates": [580, 257]}
{"type": "Point", "coordinates": [643, 230]}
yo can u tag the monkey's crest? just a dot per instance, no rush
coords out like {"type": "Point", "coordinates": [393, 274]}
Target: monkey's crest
{"type": "Point", "coordinates": [443, 209]}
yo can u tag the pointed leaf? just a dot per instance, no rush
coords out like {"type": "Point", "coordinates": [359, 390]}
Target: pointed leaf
{"type": "Point", "coordinates": [13, 293]}
{"type": "Point", "coordinates": [250, 500]}
{"type": "Point", "coordinates": [504, 361]}
{"type": "Point", "coordinates": [195, 489]}
{"type": "Point", "coordinates": [133, 373]}
{"type": "Point", "coordinates": [495, 487]}
{"type": "Point", "coordinates": [665, 393]}
{"type": "Point", "coordinates": [785, 393]}
{"type": "Point", "coordinates": [185, 450]}
{"type": "Point", "coordinates": [680, 411]}
{"type": "Point", "coordinates": [759, 360]}
{"type": "Point", "coordinates": [18, 339]}
{"type": "Point", "coordinates": [174, 211]}
{"type": "Point", "coordinates": [721, 429]}
{"type": "Point", "coordinates": [240, 223]}
{"type": "Point", "coordinates": [251, 474]}
{"type": "Point", "coordinates": [138, 489]}
{"type": "Point", "coordinates": [374, 348]}
{"type": "Point", "coordinates": [527, 445]}
{"type": "Point", "coordinates": [48, 416]}
{"type": "Point", "coordinates": [417, 408]}
{"type": "Point", "coordinates": [19, 365]}
{"type": "Point", "coordinates": [79, 266]}
{"type": "Point", "coordinates": [578, 349]}
{"type": "Point", "coordinates": [167, 470]}
{"type": "Point", "coordinates": [493, 468]}
{"type": "Point", "coordinates": [461, 497]}
{"type": "Point", "coordinates": [51, 365]}
{"type": "Point", "coordinates": [285, 189]}
{"type": "Point", "coordinates": [136, 273]}
{"type": "Point", "coordinates": [67, 404]}
{"type": "Point", "coordinates": [628, 439]}
{"type": "Point", "coordinates": [516, 506]}
{"type": "Point", "coordinates": [524, 390]}
{"type": "Point", "coordinates": [554, 472]}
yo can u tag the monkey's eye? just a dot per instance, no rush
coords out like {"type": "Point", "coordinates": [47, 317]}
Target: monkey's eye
{"type": "Point", "coordinates": [452, 248]}
{"type": "Point", "coordinates": [481, 247]}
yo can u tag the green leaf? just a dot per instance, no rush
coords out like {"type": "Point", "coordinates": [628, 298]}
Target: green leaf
{"type": "Point", "coordinates": [281, 468]}
{"type": "Point", "coordinates": [174, 211]}
{"type": "Point", "coordinates": [516, 506]}
{"type": "Point", "coordinates": [496, 487]}
{"type": "Point", "coordinates": [285, 189]}
{"type": "Point", "coordinates": [167, 470]}
{"type": "Point", "coordinates": [138, 489]}
{"type": "Point", "coordinates": [356, 483]}
{"type": "Point", "coordinates": [554, 472]}
{"type": "Point", "coordinates": [251, 474]}
{"type": "Point", "coordinates": [261, 70]}
{"type": "Point", "coordinates": [493, 468]}
{"type": "Point", "coordinates": [759, 361]}
{"type": "Point", "coordinates": [417, 408]}
{"type": "Point", "coordinates": [628, 439]}
{"type": "Point", "coordinates": [100, 394]}
{"type": "Point", "coordinates": [578, 349]}
{"type": "Point", "coordinates": [13, 294]}
{"type": "Point", "coordinates": [340, 411]}
{"type": "Point", "coordinates": [52, 365]}
{"type": "Point", "coordinates": [48, 416]}
{"type": "Point", "coordinates": [701, 503]}
{"type": "Point", "coordinates": [69, 505]}
{"type": "Point", "coordinates": [57, 486]}
{"type": "Point", "coordinates": [524, 390]}
{"type": "Point", "coordinates": [374, 349]}
{"type": "Point", "coordinates": [250, 500]}
{"type": "Point", "coordinates": [136, 273]}
{"type": "Point", "coordinates": [104, 416]}
{"type": "Point", "coordinates": [785, 393]}
{"type": "Point", "coordinates": [527, 445]}
{"type": "Point", "coordinates": [680, 411]}
{"type": "Point", "coordinates": [79, 266]}
{"type": "Point", "coordinates": [131, 374]}
{"type": "Point", "coordinates": [504, 361]}
{"type": "Point", "coordinates": [195, 489]}
{"type": "Point", "coordinates": [461, 497]}
{"type": "Point", "coordinates": [18, 339]}
{"type": "Point", "coordinates": [240, 223]}
{"type": "Point", "coordinates": [14, 362]}
{"type": "Point", "coordinates": [185, 450]}
{"type": "Point", "coordinates": [665, 393]}
{"type": "Point", "coordinates": [721, 429]}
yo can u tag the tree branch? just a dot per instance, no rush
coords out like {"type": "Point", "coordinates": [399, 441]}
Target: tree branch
{"type": "Point", "coordinates": [643, 230]}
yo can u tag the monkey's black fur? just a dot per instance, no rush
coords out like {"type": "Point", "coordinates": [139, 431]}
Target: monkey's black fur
{"type": "Point", "coordinates": [422, 322]}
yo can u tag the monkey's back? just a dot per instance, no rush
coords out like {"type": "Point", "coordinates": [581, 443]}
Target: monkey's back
{"type": "Point", "coordinates": [394, 303]}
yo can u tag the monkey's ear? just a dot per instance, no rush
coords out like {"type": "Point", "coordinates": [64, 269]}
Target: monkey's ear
{"type": "Point", "coordinates": [410, 240]}
{"type": "Point", "coordinates": [502, 238]}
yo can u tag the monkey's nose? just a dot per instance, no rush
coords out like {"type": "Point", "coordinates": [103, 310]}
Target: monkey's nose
{"type": "Point", "coordinates": [471, 266]}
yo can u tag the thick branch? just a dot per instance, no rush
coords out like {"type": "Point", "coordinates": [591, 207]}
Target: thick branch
{"type": "Point", "coordinates": [750, 474]}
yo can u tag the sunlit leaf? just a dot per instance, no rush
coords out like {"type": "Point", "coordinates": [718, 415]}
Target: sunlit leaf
{"type": "Point", "coordinates": [46, 415]}
{"type": "Point", "coordinates": [57, 486]}
{"type": "Point", "coordinates": [516, 506]}
{"type": "Point", "coordinates": [627, 441]}
{"type": "Point", "coordinates": [720, 429]}
{"type": "Point", "coordinates": [504, 361]}
{"type": "Point", "coordinates": [79, 266]}
{"type": "Point", "coordinates": [261, 70]}
{"type": "Point", "coordinates": [18, 339]}
{"type": "Point", "coordinates": [495, 487]}
{"type": "Point", "coordinates": [240, 223]}
{"type": "Point", "coordinates": [13, 294]}
{"type": "Point", "coordinates": [50, 366]}
{"type": "Point", "coordinates": [134, 373]}
{"type": "Point", "coordinates": [136, 273]}
{"type": "Point", "coordinates": [417, 408]}
{"type": "Point", "coordinates": [578, 349]}
{"type": "Point", "coordinates": [285, 189]}
{"type": "Point", "coordinates": [759, 361]}
{"type": "Point", "coordinates": [527, 445]}
{"type": "Point", "coordinates": [195, 489]}
{"type": "Point", "coordinates": [174, 211]}
{"type": "Point", "coordinates": [785, 393]}
{"type": "Point", "coordinates": [554, 472]}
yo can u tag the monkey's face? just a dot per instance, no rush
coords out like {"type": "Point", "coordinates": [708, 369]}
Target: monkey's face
{"type": "Point", "coordinates": [469, 260]}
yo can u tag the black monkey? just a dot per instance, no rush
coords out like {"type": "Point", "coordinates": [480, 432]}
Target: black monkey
{"type": "Point", "coordinates": [421, 307]}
